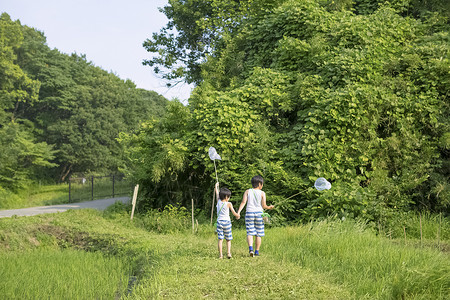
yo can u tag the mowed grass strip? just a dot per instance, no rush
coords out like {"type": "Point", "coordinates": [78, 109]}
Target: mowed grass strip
{"type": "Point", "coordinates": [238, 278]}
{"type": "Point", "coordinates": [192, 270]}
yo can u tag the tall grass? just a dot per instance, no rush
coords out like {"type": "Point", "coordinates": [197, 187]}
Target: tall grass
{"type": "Point", "coordinates": [372, 266]}
{"type": "Point", "coordinates": [417, 225]}
{"type": "Point", "coordinates": [61, 274]}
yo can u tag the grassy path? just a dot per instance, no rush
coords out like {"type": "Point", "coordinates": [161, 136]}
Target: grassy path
{"type": "Point", "coordinates": [191, 270]}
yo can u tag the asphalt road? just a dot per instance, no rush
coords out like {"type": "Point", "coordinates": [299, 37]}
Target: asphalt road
{"type": "Point", "coordinates": [31, 211]}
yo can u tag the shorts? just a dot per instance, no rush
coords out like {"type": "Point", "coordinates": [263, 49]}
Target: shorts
{"type": "Point", "coordinates": [254, 223]}
{"type": "Point", "coordinates": [224, 230]}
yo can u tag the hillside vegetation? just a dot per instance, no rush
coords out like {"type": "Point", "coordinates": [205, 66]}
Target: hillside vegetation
{"type": "Point", "coordinates": [353, 91]}
{"type": "Point", "coordinates": [59, 113]}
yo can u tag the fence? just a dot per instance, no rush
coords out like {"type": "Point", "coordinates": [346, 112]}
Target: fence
{"type": "Point", "coordinates": [98, 187]}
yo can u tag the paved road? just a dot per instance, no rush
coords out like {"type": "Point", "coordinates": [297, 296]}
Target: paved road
{"type": "Point", "coordinates": [97, 204]}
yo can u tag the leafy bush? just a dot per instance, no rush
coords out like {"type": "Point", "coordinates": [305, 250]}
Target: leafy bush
{"type": "Point", "coordinates": [172, 219]}
{"type": "Point", "coordinates": [8, 199]}
{"type": "Point", "coordinates": [118, 208]}
{"type": "Point", "coordinates": [313, 89]}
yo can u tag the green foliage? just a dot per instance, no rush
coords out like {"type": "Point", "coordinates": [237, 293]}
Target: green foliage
{"type": "Point", "coordinates": [170, 220]}
{"type": "Point", "coordinates": [415, 225]}
{"type": "Point", "coordinates": [16, 87]}
{"type": "Point", "coordinates": [34, 195]}
{"type": "Point", "coordinates": [117, 210]}
{"type": "Point", "coordinates": [21, 154]}
{"type": "Point", "coordinates": [91, 108]}
{"type": "Point", "coordinates": [353, 91]}
{"type": "Point", "coordinates": [22, 158]}
{"type": "Point", "coordinates": [200, 27]}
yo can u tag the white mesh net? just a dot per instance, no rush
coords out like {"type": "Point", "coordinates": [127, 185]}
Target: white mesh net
{"type": "Point", "coordinates": [322, 184]}
{"type": "Point", "coordinates": [213, 154]}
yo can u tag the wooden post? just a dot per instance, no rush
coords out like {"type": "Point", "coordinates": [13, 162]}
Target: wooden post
{"type": "Point", "coordinates": [113, 182]}
{"type": "Point", "coordinates": [70, 199]}
{"type": "Point", "coordinates": [136, 188]}
{"type": "Point", "coordinates": [404, 231]}
{"type": "Point", "coordinates": [193, 227]}
{"type": "Point", "coordinates": [420, 222]}
{"type": "Point", "coordinates": [439, 231]}
{"type": "Point", "coordinates": [92, 187]}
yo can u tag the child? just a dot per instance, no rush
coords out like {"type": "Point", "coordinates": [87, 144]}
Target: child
{"type": "Point", "coordinates": [256, 202]}
{"type": "Point", "coordinates": [223, 218]}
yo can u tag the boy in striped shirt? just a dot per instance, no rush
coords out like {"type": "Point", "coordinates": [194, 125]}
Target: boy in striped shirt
{"type": "Point", "coordinates": [255, 199]}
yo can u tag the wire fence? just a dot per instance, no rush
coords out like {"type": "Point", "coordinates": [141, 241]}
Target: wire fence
{"type": "Point", "coordinates": [98, 187]}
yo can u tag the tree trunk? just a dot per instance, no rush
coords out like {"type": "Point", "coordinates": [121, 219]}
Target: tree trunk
{"type": "Point", "coordinates": [64, 173]}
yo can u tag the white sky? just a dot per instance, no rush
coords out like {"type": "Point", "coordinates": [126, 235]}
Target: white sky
{"type": "Point", "coordinates": [109, 32]}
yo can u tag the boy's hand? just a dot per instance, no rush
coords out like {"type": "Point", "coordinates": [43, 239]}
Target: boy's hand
{"type": "Point", "coordinates": [216, 186]}
{"type": "Point", "coordinates": [238, 217]}
{"type": "Point", "coordinates": [271, 206]}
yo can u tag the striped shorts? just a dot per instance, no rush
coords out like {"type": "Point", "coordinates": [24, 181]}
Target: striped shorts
{"type": "Point", "coordinates": [224, 230]}
{"type": "Point", "coordinates": [254, 223]}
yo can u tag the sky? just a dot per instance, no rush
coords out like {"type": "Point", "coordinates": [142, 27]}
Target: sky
{"type": "Point", "coordinates": [109, 32]}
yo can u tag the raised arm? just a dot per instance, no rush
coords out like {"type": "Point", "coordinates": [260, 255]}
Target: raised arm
{"type": "Point", "coordinates": [263, 202]}
{"type": "Point", "coordinates": [216, 190]}
{"type": "Point", "coordinates": [244, 201]}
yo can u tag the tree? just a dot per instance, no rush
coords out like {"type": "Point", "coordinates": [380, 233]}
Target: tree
{"type": "Point", "coordinates": [50, 100]}
{"type": "Point", "coordinates": [21, 156]}
{"type": "Point", "coordinates": [81, 108]}
{"type": "Point", "coordinates": [356, 93]}
{"type": "Point", "coordinates": [196, 29]}
{"type": "Point", "coordinates": [15, 86]}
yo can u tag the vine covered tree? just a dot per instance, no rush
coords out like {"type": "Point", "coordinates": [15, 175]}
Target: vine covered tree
{"type": "Point", "coordinates": [354, 91]}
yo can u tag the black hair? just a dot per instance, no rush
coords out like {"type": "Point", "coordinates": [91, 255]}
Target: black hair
{"type": "Point", "coordinates": [256, 180]}
{"type": "Point", "coordinates": [224, 193]}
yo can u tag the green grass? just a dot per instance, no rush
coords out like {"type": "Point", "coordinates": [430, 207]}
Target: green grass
{"type": "Point", "coordinates": [61, 274]}
{"type": "Point", "coordinates": [375, 268]}
{"type": "Point", "coordinates": [35, 195]}
{"type": "Point", "coordinates": [433, 226]}
{"type": "Point", "coordinates": [326, 260]}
